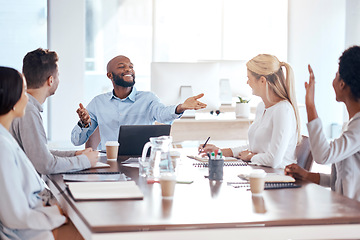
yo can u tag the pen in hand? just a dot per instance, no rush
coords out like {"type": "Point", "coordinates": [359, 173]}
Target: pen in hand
{"type": "Point", "coordinates": [204, 144]}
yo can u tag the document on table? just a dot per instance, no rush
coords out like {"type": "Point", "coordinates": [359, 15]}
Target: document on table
{"type": "Point", "coordinates": [206, 159]}
{"type": "Point", "coordinates": [272, 177]}
{"type": "Point", "coordinates": [132, 162]}
{"type": "Point", "coordinates": [104, 190]}
{"type": "Point", "coordinates": [101, 165]}
{"type": "Point", "coordinates": [102, 176]}
{"type": "Point", "coordinates": [98, 165]}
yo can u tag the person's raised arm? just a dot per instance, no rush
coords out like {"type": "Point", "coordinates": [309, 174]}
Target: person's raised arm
{"type": "Point", "coordinates": [191, 103]}
{"type": "Point", "coordinates": [85, 126]}
{"type": "Point", "coordinates": [309, 97]}
{"type": "Point", "coordinates": [83, 115]}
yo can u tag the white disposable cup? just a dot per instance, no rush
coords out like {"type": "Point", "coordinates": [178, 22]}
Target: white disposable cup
{"type": "Point", "coordinates": [112, 148]}
{"type": "Point", "coordinates": [143, 167]}
{"type": "Point", "coordinates": [257, 181]}
{"type": "Point", "coordinates": [175, 156]}
{"type": "Point", "coordinates": [167, 182]}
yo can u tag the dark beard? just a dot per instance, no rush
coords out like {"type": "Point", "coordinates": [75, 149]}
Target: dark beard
{"type": "Point", "coordinates": [119, 81]}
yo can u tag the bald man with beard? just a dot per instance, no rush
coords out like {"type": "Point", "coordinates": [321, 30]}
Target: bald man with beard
{"type": "Point", "coordinates": [124, 106]}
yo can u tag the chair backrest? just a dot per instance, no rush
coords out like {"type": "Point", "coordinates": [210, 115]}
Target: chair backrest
{"type": "Point", "coordinates": [303, 154]}
{"type": "Point", "coordinates": [94, 139]}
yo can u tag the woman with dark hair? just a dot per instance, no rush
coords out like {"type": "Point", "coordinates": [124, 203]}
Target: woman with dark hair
{"type": "Point", "coordinates": [343, 152]}
{"type": "Point", "coordinates": [22, 212]}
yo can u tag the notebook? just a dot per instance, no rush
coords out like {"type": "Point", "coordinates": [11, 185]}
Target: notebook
{"type": "Point", "coordinates": [132, 138]}
{"type": "Point", "coordinates": [206, 159]}
{"type": "Point", "coordinates": [267, 186]}
{"type": "Point", "coordinates": [226, 164]}
{"type": "Point", "coordinates": [94, 177]}
{"type": "Point", "coordinates": [272, 177]}
{"type": "Point", "coordinates": [104, 190]}
{"type": "Point", "coordinates": [228, 161]}
{"type": "Point", "coordinates": [97, 166]}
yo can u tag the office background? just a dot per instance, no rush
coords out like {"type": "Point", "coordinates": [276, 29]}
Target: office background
{"type": "Point", "coordinates": [87, 33]}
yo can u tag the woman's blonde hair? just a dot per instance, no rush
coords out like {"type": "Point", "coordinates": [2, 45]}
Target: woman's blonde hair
{"type": "Point", "coordinates": [271, 68]}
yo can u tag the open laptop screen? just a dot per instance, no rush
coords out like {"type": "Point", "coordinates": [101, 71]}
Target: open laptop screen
{"type": "Point", "coordinates": [132, 138]}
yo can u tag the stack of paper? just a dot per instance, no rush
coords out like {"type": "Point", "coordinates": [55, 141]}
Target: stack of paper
{"type": "Point", "coordinates": [105, 190]}
{"type": "Point", "coordinates": [272, 177]}
{"type": "Point", "coordinates": [93, 177]}
{"type": "Point", "coordinates": [101, 165]}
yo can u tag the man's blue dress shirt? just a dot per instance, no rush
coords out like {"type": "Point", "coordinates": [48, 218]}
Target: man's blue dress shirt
{"type": "Point", "coordinates": [109, 112]}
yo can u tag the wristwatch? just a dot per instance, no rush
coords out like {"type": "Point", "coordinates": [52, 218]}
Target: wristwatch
{"type": "Point", "coordinates": [82, 125]}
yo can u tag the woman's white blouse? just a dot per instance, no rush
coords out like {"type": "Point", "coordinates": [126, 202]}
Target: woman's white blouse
{"type": "Point", "coordinates": [343, 153]}
{"type": "Point", "coordinates": [22, 214]}
{"type": "Point", "coordinates": [272, 136]}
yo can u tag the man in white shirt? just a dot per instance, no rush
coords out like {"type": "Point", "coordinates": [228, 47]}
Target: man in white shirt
{"type": "Point", "coordinates": [40, 69]}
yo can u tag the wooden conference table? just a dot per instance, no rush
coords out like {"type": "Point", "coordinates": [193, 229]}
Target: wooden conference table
{"type": "Point", "coordinates": [211, 210]}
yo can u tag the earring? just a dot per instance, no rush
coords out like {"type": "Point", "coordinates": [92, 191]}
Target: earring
{"type": "Point", "coordinates": [13, 108]}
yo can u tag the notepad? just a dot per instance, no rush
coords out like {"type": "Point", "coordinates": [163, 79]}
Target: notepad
{"type": "Point", "coordinates": [272, 177]}
{"type": "Point", "coordinates": [101, 165]}
{"type": "Point", "coordinates": [94, 177]}
{"type": "Point", "coordinates": [206, 159]}
{"type": "Point", "coordinates": [226, 164]}
{"type": "Point", "coordinates": [104, 190]}
{"type": "Point", "coordinates": [267, 186]}
{"type": "Point", "coordinates": [132, 162]}
{"type": "Point", "coordinates": [98, 165]}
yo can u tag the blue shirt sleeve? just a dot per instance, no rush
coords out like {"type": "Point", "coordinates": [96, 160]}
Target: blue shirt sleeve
{"type": "Point", "coordinates": [160, 112]}
{"type": "Point", "coordinates": [80, 135]}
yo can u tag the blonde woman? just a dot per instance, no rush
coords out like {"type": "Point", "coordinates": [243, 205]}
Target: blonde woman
{"type": "Point", "coordinates": [275, 132]}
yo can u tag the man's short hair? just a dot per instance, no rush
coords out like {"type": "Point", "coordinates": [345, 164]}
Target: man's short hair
{"type": "Point", "coordinates": [38, 66]}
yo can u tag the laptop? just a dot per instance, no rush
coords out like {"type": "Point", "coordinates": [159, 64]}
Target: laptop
{"type": "Point", "coordinates": [132, 138]}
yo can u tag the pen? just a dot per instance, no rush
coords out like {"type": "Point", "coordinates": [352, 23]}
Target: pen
{"type": "Point", "coordinates": [204, 144]}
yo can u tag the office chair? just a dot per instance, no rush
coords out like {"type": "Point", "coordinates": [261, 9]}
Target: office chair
{"type": "Point", "coordinates": [303, 154]}
{"type": "Point", "coordinates": [93, 140]}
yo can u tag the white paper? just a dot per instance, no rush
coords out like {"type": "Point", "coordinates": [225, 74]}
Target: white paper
{"type": "Point", "coordinates": [206, 159]}
{"type": "Point", "coordinates": [94, 177]}
{"type": "Point", "coordinates": [272, 177]}
{"type": "Point", "coordinates": [105, 190]}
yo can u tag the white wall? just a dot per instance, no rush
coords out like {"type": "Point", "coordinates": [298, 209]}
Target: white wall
{"type": "Point", "coordinates": [352, 23]}
{"type": "Point", "coordinates": [317, 37]}
{"type": "Point", "coordinates": [66, 36]}
{"type": "Point", "coordinates": [23, 29]}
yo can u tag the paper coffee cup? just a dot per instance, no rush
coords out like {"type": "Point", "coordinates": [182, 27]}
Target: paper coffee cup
{"type": "Point", "coordinates": [112, 148]}
{"type": "Point", "coordinates": [167, 182]}
{"type": "Point", "coordinates": [257, 181]}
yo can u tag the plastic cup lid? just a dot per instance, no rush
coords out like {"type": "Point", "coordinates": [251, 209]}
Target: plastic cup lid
{"type": "Point", "coordinates": [167, 176]}
{"type": "Point", "coordinates": [175, 154]}
{"type": "Point", "coordinates": [257, 173]}
{"type": "Point", "coordinates": [111, 143]}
